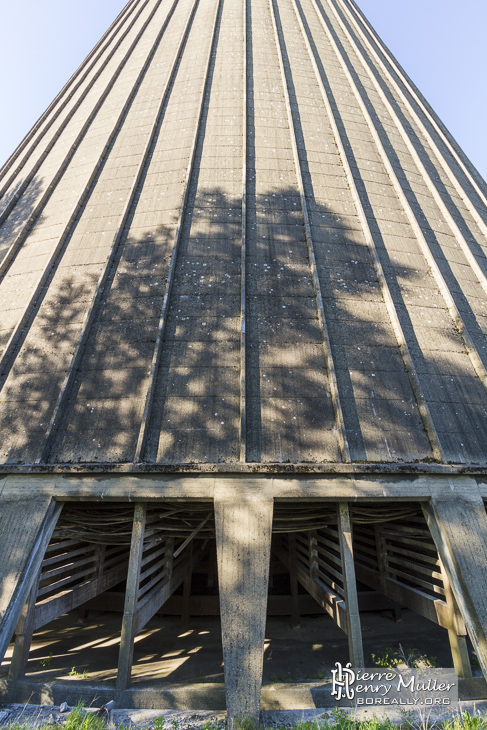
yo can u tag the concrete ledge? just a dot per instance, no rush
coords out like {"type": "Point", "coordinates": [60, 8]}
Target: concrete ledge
{"type": "Point", "coordinates": [197, 697]}
{"type": "Point", "coordinates": [344, 483]}
{"type": "Point", "coordinates": [165, 697]}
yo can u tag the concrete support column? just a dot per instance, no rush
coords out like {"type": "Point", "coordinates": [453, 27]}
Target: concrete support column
{"type": "Point", "coordinates": [185, 615]}
{"type": "Point", "coordinates": [23, 635]}
{"type": "Point", "coordinates": [125, 657]}
{"type": "Point", "coordinates": [243, 543]}
{"type": "Point", "coordinates": [295, 617]}
{"type": "Point", "coordinates": [26, 529]}
{"type": "Point", "coordinates": [456, 631]}
{"type": "Point", "coordinates": [458, 525]}
{"type": "Point", "coordinates": [354, 629]}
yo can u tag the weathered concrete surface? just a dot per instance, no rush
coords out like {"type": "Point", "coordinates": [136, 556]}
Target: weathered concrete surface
{"type": "Point", "coordinates": [240, 259]}
{"type": "Point", "coordinates": [459, 529]}
{"type": "Point", "coordinates": [237, 241]}
{"type": "Point", "coordinates": [338, 482]}
{"type": "Point", "coordinates": [278, 698]}
{"type": "Point", "coordinates": [25, 529]}
{"type": "Point", "coordinates": [243, 540]}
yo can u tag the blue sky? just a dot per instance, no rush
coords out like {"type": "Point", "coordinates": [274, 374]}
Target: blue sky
{"type": "Point", "coordinates": [440, 43]}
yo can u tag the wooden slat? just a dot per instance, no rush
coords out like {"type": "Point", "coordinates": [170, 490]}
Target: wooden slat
{"type": "Point", "coordinates": [325, 558]}
{"type": "Point", "coordinates": [325, 568]}
{"type": "Point", "coordinates": [398, 574]}
{"type": "Point", "coordinates": [80, 576]}
{"type": "Point", "coordinates": [434, 609]}
{"type": "Point", "coordinates": [53, 608]}
{"type": "Point", "coordinates": [152, 602]}
{"type": "Point", "coordinates": [327, 599]}
{"type": "Point", "coordinates": [148, 557]}
{"type": "Point", "coordinates": [414, 564]}
{"type": "Point", "coordinates": [158, 577]}
{"type": "Point", "coordinates": [64, 556]}
{"type": "Point", "coordinates": [396, 550]}
{"type": "Point", "coordinates": [71, 565]}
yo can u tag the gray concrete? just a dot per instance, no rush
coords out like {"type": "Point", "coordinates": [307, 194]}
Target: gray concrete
{"type": "Point", "coordinates": [237, 262]}
{"type": "Point", "coordinates": [243, 540]}
{"type": "Point", "coordinates": [26, 530]}
{"type": "Point", "coordinates": [459, 529]}
{"type": "Point", "coordinates": [152, 217]}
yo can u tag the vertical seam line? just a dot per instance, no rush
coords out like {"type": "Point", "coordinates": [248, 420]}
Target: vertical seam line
{"type": "Point", "coordinates": [423, 244]}
{"type": "Point", "coordinates": [386, 293]}
{"type": "Point", "coordinates": [333, 384]}
{"type": "Point", "coordinates": [145, 424]}
{"type": "Point", "coordinates": [98, 297]}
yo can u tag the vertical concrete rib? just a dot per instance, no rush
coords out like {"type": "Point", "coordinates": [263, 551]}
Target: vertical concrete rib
{"type": "Point", "coordinates": [98, 298]}
{"type": "Point", "coordinates": [418, 97]}
{"type": "Point", "coordinates": [145, 424]}
{"type": "Point", "coordinates": [459, 237]}
{"type": "Point", "coordinates": [62, 106]}
{"type": "Point", "coordinates": [20, 238]}
{"type": "Point", "coordinates": [333, 384]}
{"type": "Point", "coordinates": [40, 289]}
{"type": "Point", "coordinates": [243, 258]}
{"type": "Point", "coordinates": [423, 244]}
{"type": "Point", "coordinates": [386, 292]}
{"type": "Point", "coordinates": [125, 12]}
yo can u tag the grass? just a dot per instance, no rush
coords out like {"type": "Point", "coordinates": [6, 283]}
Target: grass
{"type": "Point", "coordinates": [80, 719]}
{"type": "Point", "coordinates": [342, 720]}
{"type": "Point", "coordinates": [404, 657]}
{"type": "Point", "coordinates": [78, 675]}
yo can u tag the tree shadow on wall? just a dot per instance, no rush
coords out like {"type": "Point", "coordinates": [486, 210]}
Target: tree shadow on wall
{"type": "Point", "coordinates": [195, 415]}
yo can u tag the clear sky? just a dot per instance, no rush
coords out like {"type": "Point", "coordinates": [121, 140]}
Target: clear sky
{"type": "Point", "coordinates": [441, 43]}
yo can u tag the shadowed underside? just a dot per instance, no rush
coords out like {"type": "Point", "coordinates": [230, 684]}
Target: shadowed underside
{"type": "Point", "coordinates": [240, 235]}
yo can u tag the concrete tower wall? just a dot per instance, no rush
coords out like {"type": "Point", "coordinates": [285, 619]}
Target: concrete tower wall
{"type": "Point", "coordinates": [240, 235]}
{"type": "Point", "coordinates": [243, 287]}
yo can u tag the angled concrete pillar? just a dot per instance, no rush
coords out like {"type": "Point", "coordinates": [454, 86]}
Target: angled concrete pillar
{"type": "Point", "coordinates": [295, 617]}
{"type": "Point", "coordinates": [25, 530]}
{"type": "Point", "coordinates": [243, 543]}
{"type": "Point", "coordinates": [23, 635]}
{"type": "Point", "coordinates": [458, 525]}
{"type": "Point", "coordinates": [126, 653]}
{"type": "Point", "coordinates": [354, 631]}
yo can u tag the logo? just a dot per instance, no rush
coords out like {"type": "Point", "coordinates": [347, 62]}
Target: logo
{"type": "Point", "coordinates": [343, 678]}
{"type": "Point", "coordinates": [413, 687]}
